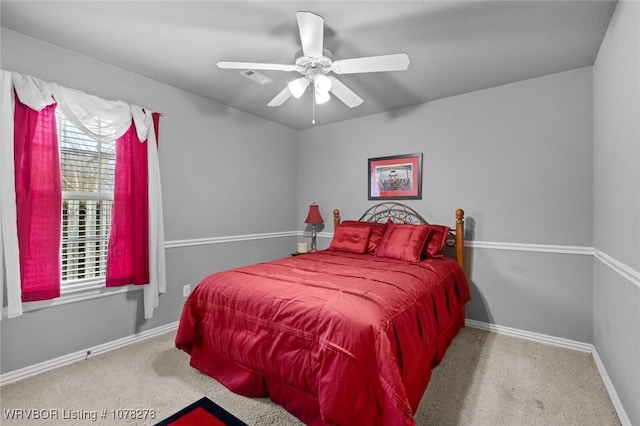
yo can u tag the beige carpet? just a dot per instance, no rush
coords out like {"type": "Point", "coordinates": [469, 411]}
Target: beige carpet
{"type": "Point", "coordinates": [485, 379]}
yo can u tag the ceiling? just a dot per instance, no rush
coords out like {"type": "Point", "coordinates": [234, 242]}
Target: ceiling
{"type": "Point", "coordinates": [455, 47]}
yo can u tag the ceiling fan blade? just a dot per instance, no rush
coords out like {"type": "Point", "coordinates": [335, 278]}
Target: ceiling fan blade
{"type": "Point", "coordinates": [343, 93]}
{"type": "Point", "coordinates": [280, 97]}
{"type": "Point", "coordinates": [311, 28]}
{"type": "Point", "coordinates": [255, 66]}
{"type": "Point", "coordinates": [396, 62]}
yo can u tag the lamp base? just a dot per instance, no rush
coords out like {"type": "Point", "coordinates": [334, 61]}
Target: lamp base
{"type": "Point", "coordinates": [313, 238]}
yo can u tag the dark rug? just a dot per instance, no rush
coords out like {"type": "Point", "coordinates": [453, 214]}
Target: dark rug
{"type": "Point", "coordinates": [202, 412]}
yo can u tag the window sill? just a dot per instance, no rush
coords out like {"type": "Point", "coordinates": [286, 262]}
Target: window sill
{"type": "Point", "coordinates": [77, 293]}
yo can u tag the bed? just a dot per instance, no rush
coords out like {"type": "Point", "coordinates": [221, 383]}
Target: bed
{"type": "Point", "coordinates": [345, 335]}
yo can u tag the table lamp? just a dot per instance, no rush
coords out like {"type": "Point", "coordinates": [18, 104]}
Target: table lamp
{"type": "Point", "coordinates": [314, 218]}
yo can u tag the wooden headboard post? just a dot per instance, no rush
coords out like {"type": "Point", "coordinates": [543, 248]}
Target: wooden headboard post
{"type": "Point", "coordinates": [460, 237]}
{"type": "Point", "coordinates": [459, 232]}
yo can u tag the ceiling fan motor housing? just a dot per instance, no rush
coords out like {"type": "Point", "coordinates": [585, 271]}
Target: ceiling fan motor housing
{"type": "Point", "coordinates": [308, 66]}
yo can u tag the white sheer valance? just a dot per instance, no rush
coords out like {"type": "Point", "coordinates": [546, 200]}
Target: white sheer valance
{"type": "Point", "coordinates": [87, 112]}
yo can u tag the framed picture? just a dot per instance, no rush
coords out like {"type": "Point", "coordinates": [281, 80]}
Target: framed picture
{"type": "Point", "coordinates": [398, 177]}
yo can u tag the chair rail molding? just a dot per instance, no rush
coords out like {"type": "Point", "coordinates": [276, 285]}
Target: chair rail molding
{"type": "Point", "coordinates": [626, 271]}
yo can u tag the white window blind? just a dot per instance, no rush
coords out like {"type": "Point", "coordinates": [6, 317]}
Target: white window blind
{"type": "Point", "coordinates": [87, 169]}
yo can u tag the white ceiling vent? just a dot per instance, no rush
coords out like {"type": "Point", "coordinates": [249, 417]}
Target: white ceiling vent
{"type": "Point", "coordinates": [257, 77]}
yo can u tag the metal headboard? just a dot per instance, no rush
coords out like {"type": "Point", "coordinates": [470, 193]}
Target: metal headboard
{"type": "Point", "coordinates": [397, 212]}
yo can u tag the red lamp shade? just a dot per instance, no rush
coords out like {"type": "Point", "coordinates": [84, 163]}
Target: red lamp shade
{"type": "Point", "coordinates": [314, 216]}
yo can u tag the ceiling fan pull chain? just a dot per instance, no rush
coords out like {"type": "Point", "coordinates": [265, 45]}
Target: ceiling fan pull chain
{"type": "Point", "coordinates": [313, 108]}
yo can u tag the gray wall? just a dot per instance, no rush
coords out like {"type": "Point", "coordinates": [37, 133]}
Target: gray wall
{"type": "Point", "coordinates": [518, 159]}
{"type": "Point", "coordinates": [545, 169]}
{"type": "Point", "coordinates": [224, 173]}
{"type": "Point", "coordinates": [616, 317]}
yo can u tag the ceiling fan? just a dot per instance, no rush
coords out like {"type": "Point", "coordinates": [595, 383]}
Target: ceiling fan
{"type": "Point", "coordinates": [314, 63]}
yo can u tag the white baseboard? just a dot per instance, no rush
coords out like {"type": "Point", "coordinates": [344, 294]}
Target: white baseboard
{"type": "Point", "coordinates": [529, 335]}
{"type": "Point", "coordinates": [565, 343]}
{"type": "Point", "coordinates": [622, 415]}
{"type": "Point", "coordinates": [41, 367]}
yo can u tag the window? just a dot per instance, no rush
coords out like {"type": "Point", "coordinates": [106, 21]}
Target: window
{"type": "Point", "coordinates": [87, 169]}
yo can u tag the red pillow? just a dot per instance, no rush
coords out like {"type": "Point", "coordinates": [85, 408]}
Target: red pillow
{"type": "Point", "coordinates": [403, 241]}
{"type": "Point", "coordinates": [436, 241]}
{"type": "Point", "coordinates": [350, 238]}
{"type": "Point", "coordinates": [377, 231]}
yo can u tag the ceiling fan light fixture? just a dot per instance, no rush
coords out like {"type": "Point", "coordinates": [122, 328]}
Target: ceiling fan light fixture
{"type": "Point", "coordinates": [322, 98]}
{"type": "Point", "coordinates": [322, 84]}
{"type": "Point", "coordinates": [298, 86]}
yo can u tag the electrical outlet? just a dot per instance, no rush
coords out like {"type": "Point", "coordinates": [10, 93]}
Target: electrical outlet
{"type": "Point", "coordinates": [186, 290]}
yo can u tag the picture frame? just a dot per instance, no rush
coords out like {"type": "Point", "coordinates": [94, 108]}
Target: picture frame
{"type": "Point", "coordinates": [396, 177]}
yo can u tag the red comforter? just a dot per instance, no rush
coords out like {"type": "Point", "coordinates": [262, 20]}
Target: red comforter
{"type": "Point", "coordinates": [333, 337]}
